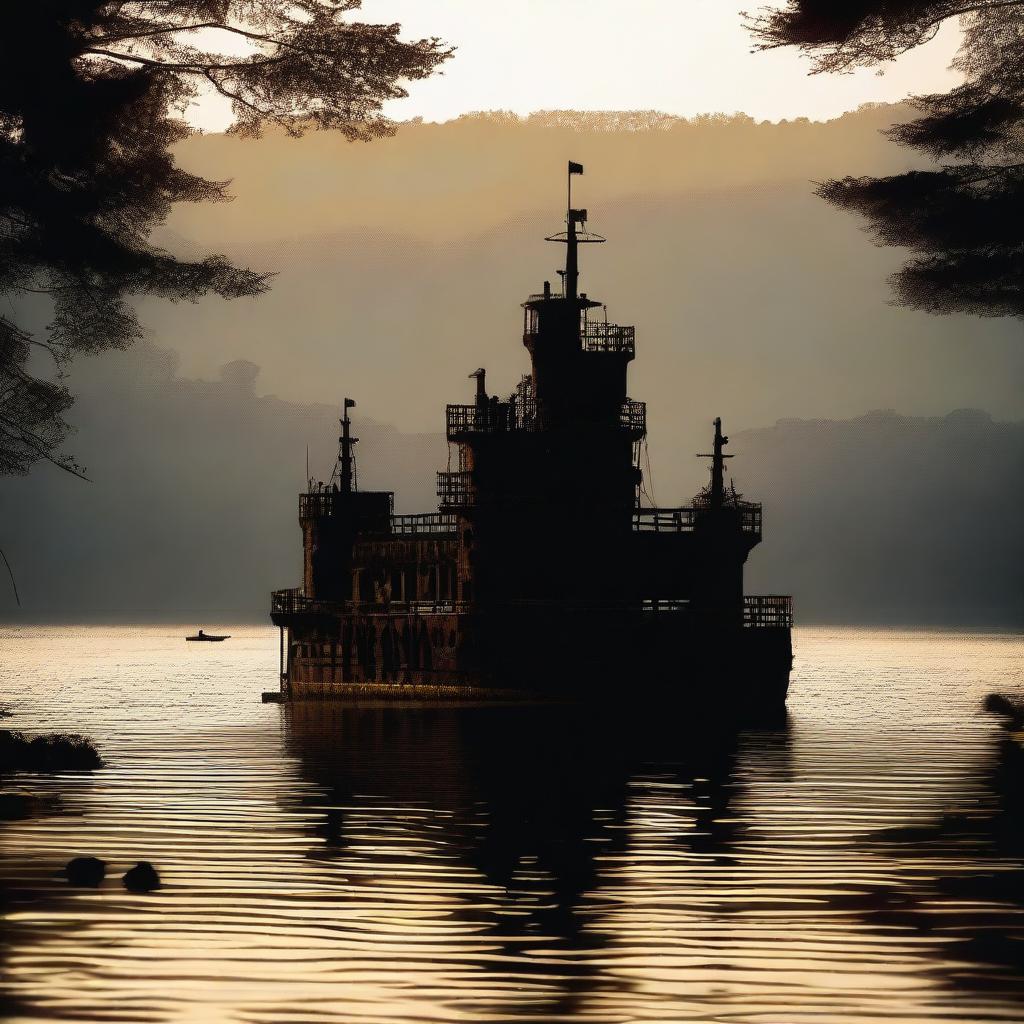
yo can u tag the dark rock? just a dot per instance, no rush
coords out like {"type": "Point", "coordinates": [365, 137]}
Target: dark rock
{"type": "Point", "coordinates": [14, 806]}
{"type": "Point", "coordinates": [56, 752]}
{"type": "Point", "coordinates": [141, 878]}
{"type": "Point", "coordinates": [85, 870]}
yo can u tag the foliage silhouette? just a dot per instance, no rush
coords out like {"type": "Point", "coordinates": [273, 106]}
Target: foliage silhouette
{"type": "Point", "coordinates": [92, 98]}
{"type": "Point", "coordinates": [963, 219]}
{"type": "Point", "coordinates": [55, 752]}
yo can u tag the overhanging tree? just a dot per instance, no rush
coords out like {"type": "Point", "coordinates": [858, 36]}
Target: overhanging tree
{"type": "Point", "coordinates": [92, 99]}
{"type": "Point", "coordinates": [963, 216]}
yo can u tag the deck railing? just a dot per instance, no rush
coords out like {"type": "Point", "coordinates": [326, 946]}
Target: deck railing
{"type": "Point", "coordinates": [475, 419]}
{"type": "Point", "coordinates": [294, 602]}
{"type": "Point", "coordinates": [683, 520]}
{"type": "Point", "coordinates": [327, 503]}
{"type": "Point", "coordinates": [760, 611]}
{"type": "Point", "coordinates": [658, 606]}
{"type": "Point", "coordinates": [633, 418]}
{"type": "Point", "coordinates": [317, 505]}
{"type": "Point", "coordinates": [600, 337]}
{"type": "Point", "coordinates": [424, 523]}
{"type": "Point", "coordinates": [664, 520]}
{"type": "Point", "coordinates": [498, 417]}
{"type": "Point", "coordinates": [768, 611]}
{"type": "Point", "coordinates": [455, 490]}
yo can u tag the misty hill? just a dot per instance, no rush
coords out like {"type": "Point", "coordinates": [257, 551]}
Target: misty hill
{"type": "Point", "coordinates": [888, 518]}
{"type": "Point", "coordinates": [192, 508]}
{"type": "Point", "coordinates": [402, 264]}
{"type": "Point", "coordinates": [192, 512]}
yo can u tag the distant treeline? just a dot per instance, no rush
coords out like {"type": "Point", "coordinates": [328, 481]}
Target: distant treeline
{"type": "Point", "coordinates": [192, 513]}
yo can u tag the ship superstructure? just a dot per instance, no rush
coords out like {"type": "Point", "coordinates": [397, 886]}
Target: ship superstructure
{"type": "Point", "coordinates": [540, 571]}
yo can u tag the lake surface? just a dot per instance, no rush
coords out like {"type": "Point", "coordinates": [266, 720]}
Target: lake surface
{"type": "Point", "coordinates": [861, 862]}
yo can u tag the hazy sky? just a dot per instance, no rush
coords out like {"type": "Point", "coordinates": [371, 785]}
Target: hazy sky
{"type": "Point", "coordinates": [680, 56]}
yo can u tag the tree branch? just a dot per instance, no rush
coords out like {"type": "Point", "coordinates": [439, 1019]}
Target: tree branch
{"type": "Point", "coordinates": [195, 68]}
{"type": "Point", "coordinates": [220, 26]}
{"type": "Point", "coordinates": [10, 572]}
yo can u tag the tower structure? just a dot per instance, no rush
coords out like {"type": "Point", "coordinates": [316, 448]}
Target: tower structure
{"type": "Point", "coordinates": [547, 475]}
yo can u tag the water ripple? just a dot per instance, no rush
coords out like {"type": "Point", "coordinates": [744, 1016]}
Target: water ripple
{"type": "Point", "coordinates": [862, 863]}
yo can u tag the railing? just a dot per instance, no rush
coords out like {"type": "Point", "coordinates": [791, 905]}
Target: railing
{"type": "Point", "coordinates": [655, 606]}
{"type": "Point", "coordinates": [317, 505]}
{"type": "Point", "coordinates": [424, 523]}
{"type": "Point", "coordinates": [498, 417]}
{"type": "Point", "coordinates": [324, 504]}
{"type": "Point", "coordinates": [473, 419]}
{"type": "Point", "coordinates": [294, 602]}
{"type": "Point", "coordinates": [664, 520]}
{"type": "Point", "coordinates": [750, 515]}
{"type": "Point", "coordinates": [599, 337]}
{"type": "Point", "coordinates": [594, 336]}
{"type": "Point", "coordinates": [768, 611]}
{"type": "Point", "coordinates": [763, 611]}
{"type": "Point", "coordinates": [418, 608]}
{"type": "Point", "coordinates": [492, 418]}
{"type": "Point", "coordinates": [455, 490]}
{"type": "Point", "coordinates": [633, 418]}
{"type": "Point", "coordinates": [683, 520]}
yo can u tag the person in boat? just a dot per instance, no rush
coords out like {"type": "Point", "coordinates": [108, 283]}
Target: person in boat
{"type": "Point", "coordinates": [201, 634]}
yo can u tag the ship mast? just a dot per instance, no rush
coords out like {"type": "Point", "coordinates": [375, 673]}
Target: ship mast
{"type": "Point", "coordinates": [571, 276]}
{"type": "Point", "coordinates": [717, 465]}
{"type": "Point", "coordinates": [573, 238]}
{"type": "Point", "coordinates": [345, 443]}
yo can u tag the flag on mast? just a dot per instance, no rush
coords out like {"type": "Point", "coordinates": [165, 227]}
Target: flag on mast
{"type": "Point", "coordinates": [575, 168]}
{"type": "Point", "coordinates": [349, 404]}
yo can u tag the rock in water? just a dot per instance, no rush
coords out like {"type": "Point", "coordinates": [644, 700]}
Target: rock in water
{"type": "Point", "coordinates": [141, 878]}
{"type": "Point", "coordinates": [85, 870]}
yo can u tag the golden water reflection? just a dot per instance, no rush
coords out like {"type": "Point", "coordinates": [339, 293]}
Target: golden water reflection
{"type": "Point", "coordinates": [859, 862]}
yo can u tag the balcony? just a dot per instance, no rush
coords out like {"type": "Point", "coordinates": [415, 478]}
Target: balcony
{"type": "Point", "coordinates": [493, 418]}
{"type": "Point", "coordinates": [768, 611]}
{"type": "Point", "coordinates": [474, 419]}
{"type": "Point", "coordinates": [633, 418]}
{"type": "Point", "coordinates": [664, 520]}
{"type": "Point", "coordinates": [370, 509]}
{"type": "Point", "coordinates": [594, 337]}
{"type": "Point", "coordinates": [317, 505]}
{"type": "Point", "coordinates": [461, 421]}
{"type": "Point", "coordinates": [432, 524]}
{"type": "Point", "coordinates": [455, 490]}
{"type": "Point", "coordinates": [293, 602]}
{"type": "Point", "coordinates": [608, 338]}
{"type": "Point", "coordinates": [684, 520]}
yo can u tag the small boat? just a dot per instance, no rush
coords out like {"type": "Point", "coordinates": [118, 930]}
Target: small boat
{"type": "Point", "coordinates": [212, 638]}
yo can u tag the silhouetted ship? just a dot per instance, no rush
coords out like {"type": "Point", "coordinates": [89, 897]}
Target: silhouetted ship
{"type": "Point", "coordinates": [540, 572]}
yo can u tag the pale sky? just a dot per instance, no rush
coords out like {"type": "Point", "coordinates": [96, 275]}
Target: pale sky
{"type": "Point", "coordinates": [681, 57]}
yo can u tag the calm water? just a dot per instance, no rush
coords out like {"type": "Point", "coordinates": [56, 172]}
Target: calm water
{"type": "Point", "coordinates": [861, 863]}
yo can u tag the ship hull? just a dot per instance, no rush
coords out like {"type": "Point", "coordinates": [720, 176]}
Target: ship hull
{"type": "Point", "coordinates": [537, 654]}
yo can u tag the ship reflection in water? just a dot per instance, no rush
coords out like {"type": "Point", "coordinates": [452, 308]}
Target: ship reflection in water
{"type": "Point", "coordinates": [860, 860]}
